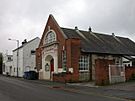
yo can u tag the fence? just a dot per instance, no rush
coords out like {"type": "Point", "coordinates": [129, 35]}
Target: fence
{"type": "Point", "coordinates": [116, 73]}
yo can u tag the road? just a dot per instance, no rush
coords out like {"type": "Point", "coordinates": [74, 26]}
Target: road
{"type": "Point", "coordinates": [13, 89]}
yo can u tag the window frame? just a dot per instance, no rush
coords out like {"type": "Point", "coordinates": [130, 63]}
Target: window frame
{"type": "Point", "coordinates": [50, 37]}
{"type": "Point", "coordinates": [84, 61]}
{"type": "Point", "coordinates": [33, 52]}
{"type": "Point", "coordinates": [64, 60]}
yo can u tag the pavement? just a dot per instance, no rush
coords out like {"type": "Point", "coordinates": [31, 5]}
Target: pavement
{"type": "Point", "coordinates": [123, 91]}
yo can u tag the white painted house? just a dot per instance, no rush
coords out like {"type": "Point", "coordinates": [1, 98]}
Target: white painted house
{"type": "Point", "coordinates": [7, 64]}
{"type": "Point", "coordinates": [128, 61]}
{"type": "Point", "coordinates": [26, 57]}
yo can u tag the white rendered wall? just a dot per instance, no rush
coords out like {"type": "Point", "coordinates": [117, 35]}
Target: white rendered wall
{"type": "Point", "coordinates": [8, 64]}
{"type": "Point", "coordinates": [128, 62]}
{"type": "Point", "coordinates": [53, 52]}
{"type": "Point", "coordinates": [29, 60]}
{"type": "Point", "coordinates": [26, 60]}
{"type": "Point", "coordinates": [20, 62]}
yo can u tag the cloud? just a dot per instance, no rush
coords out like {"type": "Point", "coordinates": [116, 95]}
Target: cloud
{"type": "Point", "coordinates": [22, 19]}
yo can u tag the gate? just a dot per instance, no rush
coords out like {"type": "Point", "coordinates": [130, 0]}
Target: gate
{"type": "Point", "coordinates": [116, 73]}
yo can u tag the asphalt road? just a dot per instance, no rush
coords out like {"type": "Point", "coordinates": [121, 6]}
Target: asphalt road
{"type": "Point", "coordinates": [13, 89]}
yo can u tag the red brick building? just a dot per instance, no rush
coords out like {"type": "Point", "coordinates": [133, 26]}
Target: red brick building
{"type": "Point", "coordinates": [74, 55]}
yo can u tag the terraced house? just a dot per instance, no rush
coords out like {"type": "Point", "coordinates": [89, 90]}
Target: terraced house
{"type": "Point", "coordinates": [7, 65]}
{"type": "Point", "coordinates": [74, 55]}
{"type": "Point", "coordinates": [25, 60]}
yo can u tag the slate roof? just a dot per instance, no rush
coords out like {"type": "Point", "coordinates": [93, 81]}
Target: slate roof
{"type": "Point", "coordinates": [92, 42]}
{"type": "Point", "coordinates": [25, 44]}
{"type": "Point", "coordinates": [130, 57]}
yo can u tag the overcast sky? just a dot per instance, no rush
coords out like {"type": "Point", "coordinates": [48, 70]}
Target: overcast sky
{"type": "Point", "coordinates": [26, 19]}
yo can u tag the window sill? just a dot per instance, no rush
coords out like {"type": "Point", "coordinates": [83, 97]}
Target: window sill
{"type": "Point", "coordinates": [49, 44]}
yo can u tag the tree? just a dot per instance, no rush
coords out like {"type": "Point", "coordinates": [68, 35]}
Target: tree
{"type": "Point", "coordinates": [1, 61]}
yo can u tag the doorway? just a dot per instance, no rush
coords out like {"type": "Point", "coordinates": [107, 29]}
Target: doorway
{"type": "Point", "coordinates": [49, 67]}
{"type": "Point", "coordinates": [52, 65]}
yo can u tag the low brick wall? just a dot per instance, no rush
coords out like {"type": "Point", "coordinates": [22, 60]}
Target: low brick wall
{"type": "Point", "coordinates": [129, 71]}
{"type": "Point", "coordinates": [102, 71]}
{"type": "Point", "coordinates": [62, 77]}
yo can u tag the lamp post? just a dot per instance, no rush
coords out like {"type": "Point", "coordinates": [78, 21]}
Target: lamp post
{"type": "Point", "coordinates": [17, 53]}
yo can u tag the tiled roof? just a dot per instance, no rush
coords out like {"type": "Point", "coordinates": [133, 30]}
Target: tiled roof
{"type": "Point", "coordinates": [101, 43]}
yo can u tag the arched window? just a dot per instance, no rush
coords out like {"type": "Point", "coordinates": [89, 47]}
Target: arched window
{"type": "Point", "coordinates": [51, 37]}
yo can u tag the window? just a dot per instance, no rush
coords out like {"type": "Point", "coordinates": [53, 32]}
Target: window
{"type": "Point", "coordinates": [118, 61]}
{"type": "Point", "coordinates": [84, 63]}
{"type": "Point", "coordinates": [133, 63]}
{"type": "Point", "coordinates": [9, 59]}
{"type": "Point", "coordinates": [64, 60]}
{"type": "Point", "coordinates": [50, 37]}
{"type": "Point", "coordinates": [33, 52]}
{"type": "Point", "coordinates": [3, 67]}
{"type": "Point", "coordinates": [14, 69]}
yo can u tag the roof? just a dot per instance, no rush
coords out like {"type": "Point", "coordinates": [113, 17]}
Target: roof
{"type": "Point", "coordinates": [130, 57]}
{"type": "Point", "coordinates": [101, 43]}
{"type": "Point", "coordinates": [25, 44]}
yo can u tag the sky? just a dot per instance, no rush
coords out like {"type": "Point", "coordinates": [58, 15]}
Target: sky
{"type": "Point", "coordinates": [26, 19]}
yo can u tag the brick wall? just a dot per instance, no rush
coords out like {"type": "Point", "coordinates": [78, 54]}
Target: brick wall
{"type": "Point", "coordinates": [102, 71]}
{"type": "Point", "coordinates": [62, 77]}
{"type": "Point", "coordinates": [72, 47]}
{"type": "Point", "coordinates": [38, 58]}
{"type": "Point", "coordinates": [50, 25]}
{"type": "Point", "coordinates": [73, 55]}
{"type": "Point", "coordinates": [128, 72]}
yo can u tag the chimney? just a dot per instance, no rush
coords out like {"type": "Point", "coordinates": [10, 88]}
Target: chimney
{"type": "Point", "coordinates": [76, 28]}
{"type": "Point", "coordinates": [24, 42]}
{"type": "Point", "coordinates": [113, 34]}
{"type": "Point", "coordinates": [90, 30]}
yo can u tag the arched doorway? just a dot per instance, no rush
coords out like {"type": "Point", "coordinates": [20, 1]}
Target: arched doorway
{"type": "Point", "coordinates": [49, 66]}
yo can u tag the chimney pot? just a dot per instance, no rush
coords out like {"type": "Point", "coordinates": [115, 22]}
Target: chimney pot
{"type": "Point", "coordinates": [76, 28]}
{"type": "Point", "coordinates": [25, 41]}
{"type": "Point", "coordinates": [113, 34]}
{"type": "Point", "coordinates": [90, 30]}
